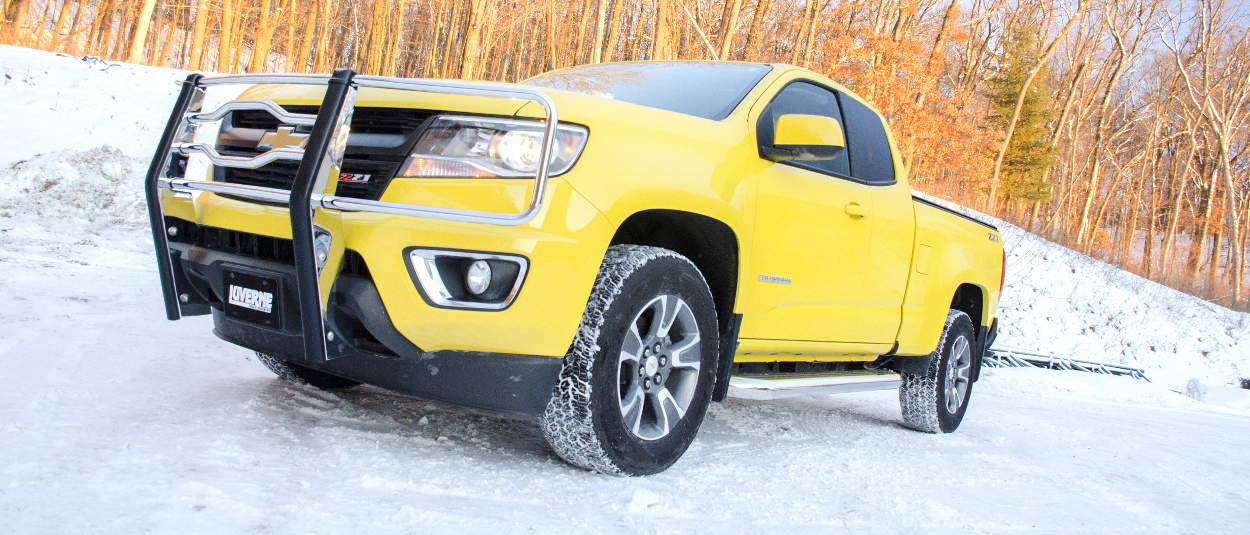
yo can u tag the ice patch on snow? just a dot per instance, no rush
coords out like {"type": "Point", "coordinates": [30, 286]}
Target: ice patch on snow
{"type": "Point", "coordinates": [100, 186]}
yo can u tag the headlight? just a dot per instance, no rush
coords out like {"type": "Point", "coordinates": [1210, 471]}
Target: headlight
{"type": "Point", "coordinates": [457, 146]}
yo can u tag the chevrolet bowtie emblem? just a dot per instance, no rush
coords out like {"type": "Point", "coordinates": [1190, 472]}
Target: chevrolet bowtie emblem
{"type": "Point", "coordinates": [284, 137]}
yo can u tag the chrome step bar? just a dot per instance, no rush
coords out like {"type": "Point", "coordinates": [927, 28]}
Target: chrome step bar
{"type": "Point", "coordinates": [785, 385]}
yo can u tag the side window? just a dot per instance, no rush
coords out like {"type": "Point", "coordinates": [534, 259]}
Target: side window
{"type": "Point", "coordinates": [807, 99]}
{"type": "Point", "coordinates": [869, 149]}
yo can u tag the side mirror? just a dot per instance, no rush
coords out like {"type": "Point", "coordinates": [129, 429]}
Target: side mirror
{"type": "Point", "coordinates": [806, 137]}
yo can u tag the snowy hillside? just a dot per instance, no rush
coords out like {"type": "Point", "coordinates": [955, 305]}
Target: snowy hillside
{"type": "Point", "coordinates": [115, 420]}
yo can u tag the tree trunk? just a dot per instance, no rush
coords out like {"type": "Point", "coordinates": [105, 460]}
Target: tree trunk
{"type": "Point", "coordinates": [262, 36]}
{"type": "Point", "coordinates": [596, 49]}
{"type": "Point", "coordinates": [396, 41]}
{"type": "Point", "coordinates": [198, 37]}
{"type": "Point", "coordinates": [14, 15]}
{"type": "Point", "coordinates": [322, 64]}
{"type": "Point", "coordinates": [660, 37]}
{"type": "Point", "coordinates": [1194, 263]}
{"type": "Point", "coordinates": [306, 40]}
{"type": "Point", "coordinates": [728, 27]}
{"type": "Point", "coordinates": [141, 32]}
{"type": "Point", "coordinates": [614, 30]}
{"type": "Point", "coordinates": [61, 18]}
{"type": "Point", "coordinates": [476, 17]}
{"type": "Point", "coordinates": [798, 37]}
{"type": "Point", "coordinates": [811, 34]}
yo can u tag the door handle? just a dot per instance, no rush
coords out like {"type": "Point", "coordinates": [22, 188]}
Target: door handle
{"type": "Point", "coordinates": [856, 211]}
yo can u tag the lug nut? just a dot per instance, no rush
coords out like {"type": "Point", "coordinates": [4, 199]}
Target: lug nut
{"type": "Point", "coordinates": [658, 378]}
{"type": "Point", "coordinates": [663, 361]}
{"type": "Point", "coordinates": [641, 371]}
{"type": "Point", "coordinates": [657, 347]}
{"type": "Point", "coordinates": [646, 385]}
{"type": "Point", "coordinates": [646, 352]}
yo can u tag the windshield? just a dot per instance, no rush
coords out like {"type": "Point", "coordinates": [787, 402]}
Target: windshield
{"type": "Point", "coordinates": [701, 88]}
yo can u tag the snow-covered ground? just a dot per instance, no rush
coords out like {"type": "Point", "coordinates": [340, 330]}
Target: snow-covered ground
{"type": "Point", "coordinates": [115, 420]}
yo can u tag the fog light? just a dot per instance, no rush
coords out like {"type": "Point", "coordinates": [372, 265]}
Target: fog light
{"type": "Point", "coordinates": [321, 246]}
{"type": "Point", "coordinates": [477, 278]}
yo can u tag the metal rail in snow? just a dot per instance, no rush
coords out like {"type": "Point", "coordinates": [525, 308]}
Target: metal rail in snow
{"type": "Point", "coordinates": [1008, 357]}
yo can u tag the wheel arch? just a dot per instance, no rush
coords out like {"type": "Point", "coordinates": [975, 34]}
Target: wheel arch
{"type": "Point", "coordinates": [970, 299]}
{"type": "Point", "coordinates": [711, 244]}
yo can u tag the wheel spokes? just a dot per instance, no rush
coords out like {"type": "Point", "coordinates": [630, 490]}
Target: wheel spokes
{"type": "Point", "coordinates": [667, 411]}
{"type": "Point", "coordinates": [631, 347]}
{"type": "Point", "coordinates": [958, 370]}
{"type": "Point", "coordinates": [632, 407]}
{"type": "Point", "coordinates": [658, 367]}
{"type": "Point", "coordinates": [665, 314]}
{"type": "Point", "coordinates": [686, 353]}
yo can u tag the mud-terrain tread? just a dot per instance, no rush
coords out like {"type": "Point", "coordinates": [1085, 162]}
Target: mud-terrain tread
{"type": "Point", "coordinates": [568, 424]}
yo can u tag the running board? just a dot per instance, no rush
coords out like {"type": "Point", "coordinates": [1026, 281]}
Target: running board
{"type": "Point", "coordinates": [784, 385]}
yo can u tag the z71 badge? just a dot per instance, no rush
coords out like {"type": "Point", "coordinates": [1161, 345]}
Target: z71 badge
{"type": "Point", "coordinates": [354, 177]}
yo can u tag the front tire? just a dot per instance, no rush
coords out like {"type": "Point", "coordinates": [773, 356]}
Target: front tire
{"type": "Point", "coordinates": [637, 380]}
{"type": "Point", "coordinates": [936, 401]}
{"type": "Point", "coordinates": [299, 374]}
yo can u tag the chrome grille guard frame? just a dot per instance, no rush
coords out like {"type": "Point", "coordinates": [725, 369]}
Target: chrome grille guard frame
{"type": "Point", "coordinates": [311, 190]}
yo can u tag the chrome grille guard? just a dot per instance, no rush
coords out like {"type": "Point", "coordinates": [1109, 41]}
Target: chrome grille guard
{"type": "Point", "coordinates": [312, 194]}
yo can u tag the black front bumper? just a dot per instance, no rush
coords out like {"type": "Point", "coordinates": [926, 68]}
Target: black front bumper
{"type": "Point", "coordinates": [368, 348]}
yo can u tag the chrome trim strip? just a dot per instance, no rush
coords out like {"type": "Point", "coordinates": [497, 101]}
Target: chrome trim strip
{"type": "Point", "coordinates": [757, 388]}
{"type": "Point", "coordinates": [238, 162]}
{"type": "Point", "coordinates": [314, 79]}
{"type": "Point", "coordinates": [423, 264]}
{"type": "Point", "coordinates": [270, 106]}
{"type": "Point", "coordinates": [182, 185]}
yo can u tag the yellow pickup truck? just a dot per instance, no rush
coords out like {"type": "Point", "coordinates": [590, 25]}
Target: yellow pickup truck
{"type": "Point", "coordinates": [607, 248]}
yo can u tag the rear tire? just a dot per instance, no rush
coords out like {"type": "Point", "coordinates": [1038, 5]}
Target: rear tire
{"type": "Point", "coordinates": [299, 374]}
{"type": "Point", "coordinates": [621, 407]}
{"type": "Point", "coordinates": [936, 401]}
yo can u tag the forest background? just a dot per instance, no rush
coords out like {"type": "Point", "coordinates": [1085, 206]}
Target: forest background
{"type": "Point", "coordinates": [1117, 128]}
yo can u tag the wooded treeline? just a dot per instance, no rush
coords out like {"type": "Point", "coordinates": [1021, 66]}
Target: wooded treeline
{"type": "Point", "coordinates": [1119, 128]}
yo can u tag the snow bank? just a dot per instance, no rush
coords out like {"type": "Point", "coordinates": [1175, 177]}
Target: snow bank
{"type": "Point", "coordinates": [1062, 302]}
{"type": "Point", "coordinates": [52, 102]}
{"type": "Point", "coordinates": [100, 186]}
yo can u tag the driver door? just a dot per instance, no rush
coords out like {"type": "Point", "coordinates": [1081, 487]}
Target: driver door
{"type": "Point", "coordinates": [812, 237]}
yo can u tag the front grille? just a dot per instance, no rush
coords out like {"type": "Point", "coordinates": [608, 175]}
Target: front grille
{"type": "Point", "coordinates": [281, 174]}
{"type": "Point", "coordinates": [391, 121]}
{"type": "Point", "coordinates": [380, 160]}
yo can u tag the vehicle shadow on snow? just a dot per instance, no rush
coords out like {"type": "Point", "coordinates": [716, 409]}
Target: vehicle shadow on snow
{"type": "Point", "coordinates": [737, 425]}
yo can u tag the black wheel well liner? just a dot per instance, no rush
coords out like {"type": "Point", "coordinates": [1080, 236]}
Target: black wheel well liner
{"type": "Point", "coordinates": [708, 242]}
{"type": "Point", "coordinates": [970, 299]}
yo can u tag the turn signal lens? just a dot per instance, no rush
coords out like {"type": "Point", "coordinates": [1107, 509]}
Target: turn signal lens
{"type": "Point", "coordinates": [476, 147]}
